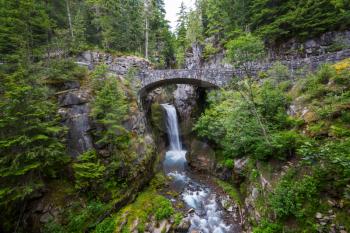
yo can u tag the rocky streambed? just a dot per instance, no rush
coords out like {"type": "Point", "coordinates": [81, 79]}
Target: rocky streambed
{"type": "Point", "coordinates": [207, 208]}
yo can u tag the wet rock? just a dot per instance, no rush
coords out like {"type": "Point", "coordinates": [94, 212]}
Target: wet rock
{"type": "Point", "coordinates": [255, 193]}
{"type": "Point", "coordinates": [195, 231]}
{"type": "Point", "coordinates": [184, 225]}
{"type": "Point", "coordinates": [77, 121]}
{"type": "Point", "coordinates": [39, 207]}
{"type": "Point", "coordinates": [71, 85]}
{"type": "Point", "coordinates": [73, 98]}
{"type": "Point", "coordinates": [265, 184]}
{"type": "Point", "coordinates": [201, 157]}
{"type": "Point", "coordinates": [292, 110]}
{"type": "Point", "coordinates": [45, 218]}
{"type": "Point", "coordinates": [164, 227]}
{"type": "Point", "coordinates": [240, 164]}
{"type": "Point", "coordinates": [185, 100]}
{"type": "Point", "coordinates": [190, 211]}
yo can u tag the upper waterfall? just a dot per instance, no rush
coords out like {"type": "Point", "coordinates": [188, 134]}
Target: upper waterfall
{"type": "Point", "coordinates": [172, 127]}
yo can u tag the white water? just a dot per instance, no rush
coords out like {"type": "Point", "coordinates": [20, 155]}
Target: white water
{"type": "Point", "coordinates": [172, 127]}
{"type": "Point", "coordinates": [207, 215]}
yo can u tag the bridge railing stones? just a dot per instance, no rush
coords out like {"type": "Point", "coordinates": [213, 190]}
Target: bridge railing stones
{"type": "Point", "coordinates": [216, 77]}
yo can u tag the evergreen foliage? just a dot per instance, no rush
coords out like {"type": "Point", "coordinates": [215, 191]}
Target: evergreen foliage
{"type": "Point", "coordinates": [88, 170]}
{"type": "Point", "coordinates": [31, 144]}
{"type": "Point", "coordinates": [109, 109]}
{"type": "Point", "coordinates": [35, 29]}
{"type": "Point", "coordinates": [274, 21]}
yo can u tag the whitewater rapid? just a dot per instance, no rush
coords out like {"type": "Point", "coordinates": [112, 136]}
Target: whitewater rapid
{"type": "Point", "coordinates": [205, 216]}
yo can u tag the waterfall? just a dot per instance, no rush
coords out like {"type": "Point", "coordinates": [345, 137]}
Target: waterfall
{"type": "Point", "coordinates": [172, 127]}
{"type": "Point", "coordinates": [206, 217]}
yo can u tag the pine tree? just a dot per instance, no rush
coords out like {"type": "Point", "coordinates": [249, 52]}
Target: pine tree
{"type": "Point", "coordinates": [23, 31]}
{"type": "Point", "coordinates": [195, 25]}
{"type": "Point", "coordinates": [31, 145]}
{"type": "Point", "coordinates": [181, 30]}
{"type": "Point", "coordinates": [161, 47]}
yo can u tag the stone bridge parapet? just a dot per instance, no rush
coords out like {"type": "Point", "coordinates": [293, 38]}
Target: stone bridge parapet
{"type": "Point", "coordinates": [151, 79]}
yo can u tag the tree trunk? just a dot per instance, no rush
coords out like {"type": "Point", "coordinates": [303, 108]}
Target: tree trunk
{"type": "Point", "coordinates": [69, 20]}
{"type": "Point", "coordinates": [146, 28]}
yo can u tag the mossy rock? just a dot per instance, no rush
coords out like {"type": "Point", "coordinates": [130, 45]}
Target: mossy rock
{"type": "Point", "coordinates": [157, 117]}
{"type": "Point", "coordinates": [310, 117]}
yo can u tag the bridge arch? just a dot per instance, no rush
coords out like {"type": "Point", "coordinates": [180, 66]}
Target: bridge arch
{"type": "Point", "coordinates": [207, 78]}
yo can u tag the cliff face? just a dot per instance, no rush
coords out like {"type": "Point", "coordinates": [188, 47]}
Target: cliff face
{"type": "Point", "coordinates": [139, 160]}
{"type": "Point", "coordinates": [331, 47]}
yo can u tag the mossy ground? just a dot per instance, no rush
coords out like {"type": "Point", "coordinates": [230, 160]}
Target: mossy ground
{"type": "Point", "coordinates": [149, 206]}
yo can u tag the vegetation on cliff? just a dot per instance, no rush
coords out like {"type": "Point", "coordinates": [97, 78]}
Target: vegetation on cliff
{"type": "Point", "coordinates": [276, 120]}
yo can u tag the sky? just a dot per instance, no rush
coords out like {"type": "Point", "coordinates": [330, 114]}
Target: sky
{"type": "Point", "coordinates": [172, 7]}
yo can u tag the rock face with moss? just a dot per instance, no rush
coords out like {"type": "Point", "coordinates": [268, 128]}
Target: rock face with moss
{"type": "Point", "coordinates": [110, 145]}
{"type": "Point", "coordinates": [299, 180]}
{"type": "Point", "coordinates": [118, 64]}
{"type": "Point", "coordinates": [329, 47]}
{"type": "Point", "coordinates": [74, 110]}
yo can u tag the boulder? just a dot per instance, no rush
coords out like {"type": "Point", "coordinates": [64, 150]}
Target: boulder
{"type": "Point", "coordinates": [45, 218]}
{"type": "Point", "coordinates": [201, 157]}
{"type": "Point", "coordinates": [319, 215]}
{"type": "Point", "coordinates": [184, 225]}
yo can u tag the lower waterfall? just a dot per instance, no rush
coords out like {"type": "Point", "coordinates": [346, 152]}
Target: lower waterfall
{"type": "Point", "coordinates": [206, 213]}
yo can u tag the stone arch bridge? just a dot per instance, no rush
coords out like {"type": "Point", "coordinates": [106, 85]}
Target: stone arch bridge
{"type": "Point", "coordinates": [209, 78]}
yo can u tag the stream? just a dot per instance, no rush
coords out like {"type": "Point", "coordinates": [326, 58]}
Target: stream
{"type": "Point", "coordinates": [206, 213]}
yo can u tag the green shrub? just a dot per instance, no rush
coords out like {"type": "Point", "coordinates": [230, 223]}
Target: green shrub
{"type": "Point", "coordinates": [64, 70]}
{"type": "Point", "coordinates": [164, 209]}
{"type": "Point", "coordinates": [268, 227]}
{"type": "Point", "coordinates": [209, 50]}
{"type": "Point", "coordinates": [325, 74]}
{"type": "Point", "coordinates": [230, 190]}
{"type": "Point", "coordinates": [53, 227]}
{"type": "Point", "coordinates": [339, 130]}
{"type": "Point", "coordinates": [106, 226]}
{"type": "Point", "coordinates": [285, 143]}
{"type": "Point", "coordinates": [229, 163]}
{"type": "Point", "coordinates": [177, 218]}
{"type": "Point", "coordinates": [279, 73]}
{"type": "Point", "coordinates": [88, 170]}
{"type": "Point", "coordinates": [81, 219]}
{"type": "Point", "coordinates": [290, 196]}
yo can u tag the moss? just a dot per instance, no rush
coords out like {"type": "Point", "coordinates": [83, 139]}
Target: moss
{"type": "Point", "coordinates": [157, 120]}
{"type": "Point", "coordinates": [343, 218]}
{"type": "Point", "coordinates": [106, 226]}
{"type": "Point", "coordinates": [177, 218]}
{"type": "Point", "coordinates": [230, 190]}
{"type": "Point", "coordinates": [342, 65]}
{"type": "Point", "coordinates": [209, 50]}
{"type": "Point", "coordinates": [310, 117]}
{"type": "Point", "coordinates": [318, 128]}
{"type": "Point", "coordinates": [149, 203]}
